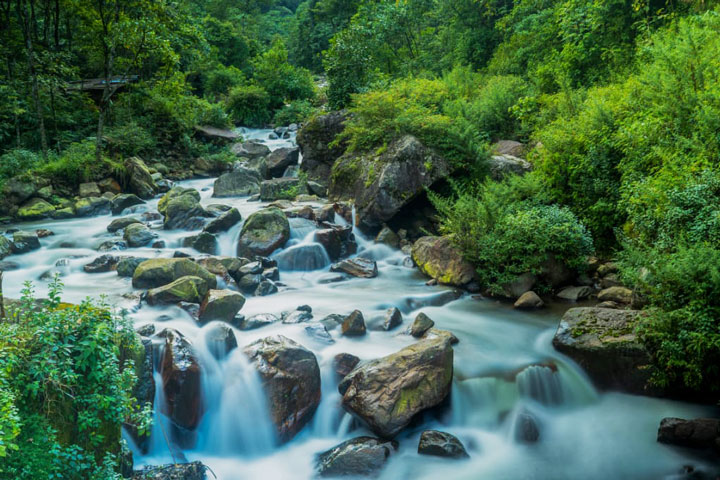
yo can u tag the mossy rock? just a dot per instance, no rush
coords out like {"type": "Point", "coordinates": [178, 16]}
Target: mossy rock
{"type": "Point", "coordinates": [5, 247]}
{"type": "Point", "coordinates": [263, 233]}
{"type": "Point", "coordinates": [34, 209]}
{"type": "Point", "coordinates": [157, 272]}
{"type": "Point", "coordinates": [437, 258]}
{"type": "Point", "coordinates": [185, 289]}
{"type": "Point", "coordinates": [174, 193]}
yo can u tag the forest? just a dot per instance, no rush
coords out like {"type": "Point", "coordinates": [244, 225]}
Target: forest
{"type": "Point", "coordinates": [614, 106]}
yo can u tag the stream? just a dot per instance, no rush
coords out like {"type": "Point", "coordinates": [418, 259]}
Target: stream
{"type": "Point", "coordinates": [499, 370]}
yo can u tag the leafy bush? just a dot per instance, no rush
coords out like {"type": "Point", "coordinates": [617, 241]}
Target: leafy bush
{"type": "Point", "coordinates": [17, 161]}
{"type": "Point", "coordinates": [65, 389]}
{"type": "Point", "coordinates": [76, 164]}
{"type": "Point", "coordinates": [129, 139]}
{"type": "Point", "coordinates": [249, 105]}
{"type": "Point", "coordinates": [296, 112]}
{"type": "Point", "coordinates": [282, 81]}
{"type": "Point", "coordinates": [220, 80]}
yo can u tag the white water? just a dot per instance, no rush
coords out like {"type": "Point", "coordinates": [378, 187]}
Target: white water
{"type": "Point", "coordinates": [501, 370]}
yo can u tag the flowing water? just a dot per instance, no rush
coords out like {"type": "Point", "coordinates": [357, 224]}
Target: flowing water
{"type": "Point", "coordinates": [505, 368]}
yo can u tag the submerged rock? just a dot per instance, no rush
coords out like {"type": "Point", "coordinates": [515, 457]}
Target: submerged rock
{"type": "Point", "coordinates": [388, 392]}
{"type": "Point", "coordinates": [438, 258]}
{"type": "Point", "coordinates": [357, 267]}
{"type": "Point", "coordinates": [441, 444]}
{"type": "Point", "coordinates": [181, 377]}
{"type": "Point", "coordinates": [264, 232]}
{"type": "Point", "coordinates": [257, 321]}
{"type": "Point", "coordinates": [103, 263]}
{"type": "Point", "coordinates": [220, 341]}
{"type": "Point", "coordinates": [526, 428]}
{"type": "Point", "coordinates": [24, 242]}
{"type": "Point", "coordinates": [291, 379]}
{"type": "Point", "coordinates": [361, 456]}
{"type": "Point", "coordinates": [318, 332]}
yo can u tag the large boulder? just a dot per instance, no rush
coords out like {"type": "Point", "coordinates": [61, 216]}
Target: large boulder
{"type": "Point", "coordinates": [438, 258]}
{"type": "Point", "coordinates": [224, 222]}
{"type": "Point", "coordinates": [182, 210]}
{"type": "Point", "coordinates": [357, 457]}
{"type": "Point", "coordinates": [220, 305]}
{"type": "Point", "coordinates": [252, 149]}
{"type": "Point", "coordinates": [263, 232]}
{"type": "Point", "coordinates": [34, 209]}
{"type": "Point", "coordinates": [383, 184]}
{"type": "Point", "coordinates": [603, 342]}
{"type": "Point", "coordinates": [388, 392]}
{"type": "Point", "coordinates": [338, 240]}
{"type": "Point", "coordinates": [503, 165]}
{"type": "Point", "coordinates": [157, 272]}
{"type": "Point", "coordinates": [315, 140]}
{"type": "Point", "coordinates": [24, 242]}
{"type": "Point", "coordinates": [140, 180]}
{"type": "Point", "coordinates": [702, 433]}
{"type": "Point", "coordinates": [138, 235]}
{"type": "Point", "coordinates": [122, 201]}
{"type": "Point", "coordinates": [181, 380]}
{"type": "Point", "coordinates": [185, 289]}
{"type": "Point", "coordinates": [242, 181]}
{"type": "Point", "coordinates": [281, 188]}
{"type": "Point", "coordinates": [203, 242]}
{"type": "Point", "coordinates": [88, 207]}
{"type": "Point", "coordinates": [291, 379]}
{"type": "Point", "coordinates": [281, 159]}
{"type": "Point", "coordinates": [441, 444]}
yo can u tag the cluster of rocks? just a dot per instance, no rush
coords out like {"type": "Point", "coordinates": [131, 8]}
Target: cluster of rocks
{"type": "Point", "coordinates": [16, 242]}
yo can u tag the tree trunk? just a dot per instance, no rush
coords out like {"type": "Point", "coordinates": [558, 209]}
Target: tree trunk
{"type": "Point", "coordinates": [27, 33]}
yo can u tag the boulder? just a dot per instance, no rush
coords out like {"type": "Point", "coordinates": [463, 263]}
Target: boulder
{"type": "Point", "coordinates": [382, 184]}
{"type": "Point", "coordinates": [344, 363]}
{"type": "Point", "coordinates": [438, 258]}
{"type": "Point", "coordinates": [281, 188]}
{"type": "Point", "coordinates": [296, 316]}
{"type": "Point", "coordinates": [216, 135]}
{"type": "Point", "coordinates": [250, 283]}
{"type": "Point", "coordinates": [357, 267]}
{"type": "Point", "coordinates": [6, 248]}
{"type": "Point", "coordinates": [224, 221]}
{"type": "Point", "coordinates": [265, 288]}
{"type": "Point", "coordinates": [574, 294]}
{"type": "Point", "coordinates": [522, 283]}
{"type": "Point", "coordinates": [34, 209]}
{"type": "Point", "coordinates": [281, 159]}
{"type": "Point", "coordinates": [701, 433]}
{"type": "Point", "coordinates": [44, 233]}
{"type": "Point", "coordinates": [185, 289]}
{"type": "Point", "coordinates": [354, 324]}
{"type": "Point", "coordinates": [318, 332]}
{"type": "Point", "coordinates": [621, 295]}
{"type": "Point", "coordinates": [138, 235]}
{"type": "Point", "coordinates": [103, 263]}
{"type": "Point", "coordinates": [338, 241]}
{"type": "Point", "coordinates": [252, 149]}
{"type": "Point", "coordinates": [181, 380]}
{"type": "Point", "coordinates": [263, 232]}
{"type": "Point", "coordinates": [257, 321]}
{"type": "Point", "coordinates": [127, 265]}
{"type": "Point", "coordinates": [220, 305]}
{"type": "Point", "coordinates": [20, 188]}
{"type": "Point", "coordinates": [422, 324]}
{"type": "Point", "coordinates": [89, 189]}
{"type": "Point", "coordinates": [509, 147]}
{"type": "Point", "coordinates": [161, 271]}
{"type": "Point", "coordinates": [122, 201]}
{"type": "Point", "coordinates": [528, 301]}
{"type": "Point", "coordinates": [220, 340]}
{"type": "Point", "coordinates": [501, 166]}
{"type": "Point", "coordinates": [139, 178]}
{"type": "Point", "coordinates": [388, 392]}
{"type": "Point", "coordinates": [121, 223]}
{"type": "Point", "coordinates": [387, 237]}
{"type": "Point", "coordinates": [202, 242]}
{"type": "Point", "coordinates": [441, 444]}
{"type": "Point", "coordinates": [88, 207]}
{"type": "Point", "coordinates": [316, 188]}
{"type": "Point", "coordinates": [241, 182]}
{"type": "Point", "coordinates": [144, 389]}
{"type": "Point", "coordinates": [291, 379]}
{"type": "Point", "coordinates": [358, 457]}
{"type": "Point", "coordinates": [393, 318]}
{"type": "Point", "coordinates": [315, 139]}
{"type": "Point", "coordinates": [176, 471]}
{"type": "Point", "coordinates": [24, 242]}
{"type": "Point", "coordinates": [182, 210]}
{"type": "Point", "coordinates": [603, 342]}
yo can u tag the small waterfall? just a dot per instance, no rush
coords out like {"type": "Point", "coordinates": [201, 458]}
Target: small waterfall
{"type": "Point", "coordinates": [304, 255]}
{"type": "Point", "coordinates": [329, 417]}
{"type": "Point", "coordinates": [540, 383]}
{"type": "Point", "coordinates": [160, 436]}
{"type": "Point", "coordinates": [479, 402]}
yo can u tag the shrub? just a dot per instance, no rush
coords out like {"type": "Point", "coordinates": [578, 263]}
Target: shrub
{"type": "Point", "coordinates": [16, 162]}
{"type": "Point", "coordinates": [219, 81]}
{"type": "Point", "coordinates": [282, 81]}
{"type": "Point", "coordinates": [249, 105]}
{"type": "Point", "coordinates": [129, 139]}
{"type": "Point", "coordinates": [76, 164]}
{"type": "Point", "coordinates": [295, 112]}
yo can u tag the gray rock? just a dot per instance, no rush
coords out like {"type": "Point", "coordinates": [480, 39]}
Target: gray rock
{"type": "Point", "coordinates": [529, 300]}
{"type": "Point", "coordinates": [315, 140]}
{"type": "Point", "coordinates": [138, 235]}
{"type": "Point", "coordinates": [202, 242]}
{"type": "Point", "coordinates": [258, 321]}
{"type": "Point", "coordinates": [441, 444]}
{"type": "Point", "coordinates": [280, 159]}
{"type": "Point", "coordinates": [240, 182]}
{"type": "Point", "coordinates": [501, 166]}
{"type": "Point", "coordinates": [318, 332]}
{"type": "Point", "coordinates": [224, 221]}
{"type": "Point", "coordinates": [358, 457]}
{"type": "Point", "coordinates": [121, 223]}
{"type": "Point", "coordinates": [422, 324]}
{"type": "Point", "coordinates": [251, 149]}
{"type": "Point", "coordinates": [24, 242]}
{"type": "Point", "coordinates": [357, 267]}
{"type": "Point", "coordinates": [574, 294]}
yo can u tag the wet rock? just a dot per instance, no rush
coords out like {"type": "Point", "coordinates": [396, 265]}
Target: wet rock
{"type": "Point", "coordinates": [258, 321]}
{"type": "Point", "coordinates": [241, 182]}
{"type": "Point", "coordinates": [603, 342]}
{"type": "Point", "coordinates": [88, 207]}
{"type": "Point", "coordinates": [526, 428]}
{"type": "Point", "coordinates": [220, 341]}
{"type": "Point", "coordinates": [138, 235]}
{"type": "Point", "coordinates": [441, 444]}
{"type": "Point", "coordinates": [161, 271]}
{"type": "Point", "coordinates": [250, 283]}
{"type": "Point", "coordinates": [338, 241]}
{"type": "Point", "coordinates": [303, 257]}
{"type": "Point", "coordinates": [332, 321]}
{"type": "Point", "coordinates": [354, 324]}
{"type": "Point", "coordinates": [140, 181]}
{"type": "Point", "coordinates": [523, 283]}
{"type": "Point", "coordinates": [306, 212]}
{"type": "Point", "coordinates": [224, 222]}
{"type": "Point", "coordinates": [501, 166]}
{"type": "Point", "coordinates": [44, 233]}
{"type": "Point", "coordinates": [146, 330]}
{"type": "Point", "coordinates": [280, 159]}
{"type": "Point", "coordinates": [185, 289]}
{"type": "Point", "coordinates": [192, 309]}
{"type": "Point", "coordinates": [181, 380]}
{"type": "Point", "coordinates": [203, 242]}
{"type": "Point", "coordinates": [438, 333]}
{"type": "Point", "coordinates": [700, 433]}
{"type": "Point", "coordinates": [122, 201]}
{"type": "Point", "coordinates": [387, 237]}
{"type": "Point", "coordinates": [263, 232]}
{"type": "Point", "coordinates": [182, 210]}
{"type": "Point", "coordinates": [392, 318]}
{"type": "Point", "coordinates": [272, 274]}
{"type": "Point", "coordinates": [358, 457]}
{"type": "Point", "coordinates": [574, 294]}
{"type": "Point", "coordinates": [437, 258]}
{"type": "Point", "coordinates": [103, 263]}
{"type": "Point", "coordinates": [315, 140]}
{"type": "Point", "coordinates": [422, 324]}
{"type": "Point", "coordinates": [529, 300]}
{"type": "Point", "coordinates": [217, 209]}
{"type": "Point", "coordinates": [35, 209]}
{"type": "Point", "coordinates": [616, 294]}
{"type": "Point", "coordinates": [318, 332]}
{"type": "Point", "coordinates": [297, 316]}
{"type": "Point", "coordinates": [89, 189]}
{"type": "Point", "coordinates": [252, 268]}
{"type": "Point", "coordinates": [112, 246]}
{"type": "Point", "coordinates": [344, 363]}
{"type": "Point", "coordinates": [265, 288]}
{"type": "Point", "coordinates": [357, 267]}
{"type": "Point", "coordinates": [291, 379]}
{"type": "Point", "coordinates": [177, 471]}
{"type": "Point", "coordinates": [121, 223]}
{"type": "Point", "coordinates": [24, 242]}
{"type": "Point", "coordinates": [220, 305]}
{"type": "Point", "coordinates": [281, 188]}
{"type": "Point", "coordinates": [316, 188]}
{"type": "Point", "coordinates": [251, 149]}
{"type": "Point", "coordinates": [388, 392]}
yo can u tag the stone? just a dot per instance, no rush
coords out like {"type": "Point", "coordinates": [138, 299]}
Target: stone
{"type": "Point", "coordinates": [103, 263]}
{"type": "Point", "coordinates": [44, 233]}
{"type": "Point", "coordinates": [603, 342]}
{"type": "Point", "coordinates": [24, 242]}
{"type": "Point", "coordinates": [265, 288]}
{"type": "Point", "coordinates": [315, 140]}
{"type": "Point", "coordinates": [501, 166]}
{"type": "Point", "coordinates": [184, 289]}
{"type": "Point", "coordinates": [509, 147]}
{"type": "Point", "coordinates": [316, 188]}
{"type": "Point", "coordinates": [344, 363]}
{"type": "Point", "coordinates": [121, 223]}
{"type": "Point", "coordinates": [241, 182]}
{"type": "Point", "coordinates": [250, 283]}
{"type": "Point", "coordinates": [6, 248]}
{"type": "Point", "coordinates": [438, 258]}
{"type": "Point", "coordinates": [220, 340]}
{"type": "Point", "coordinates": [162, 271]}
{"type": "Point", "coordinates": [526, 428]}
{"type": "Point", "coordinates": [441, 444]}
{"type": "Point", "coordinates": [607, 268]}
{"type": "Point", "coordinates": [438, 333]}
{"type": "Point", "coordinates": [574, 294]}
{"type": "Point", "coordinates": [388, 392]}
{"type": "Point", "coordinates": [263, 232]}
{"type": "Point", "coordinates": [358, 457]}
{"type": "Point", "coordinates": [354, 324]}
{"type": "Point", "coordinates": [224, 221]}
{"type": "Point", "coordinates": [332, 321]}
{"type": "Point", "coordinates": [317, 331]}
{"type": "Point", "coordinates": [112, 246]}
{"type": "Point", "coordinates": [280, 159]}
{"type": "Point", "coordinates": [220, 305]}
{"type": "Point", "coordinates": [620, 295]}
{"type": "Point", "coordinates": [126, 266]}
{"type": "Point", "coordinates": [257, 321]}
{"type": "Point", "coordinates": [281, 188]}
{"type": "Point", "coordinates": [387, 237]}
{"type": "Point", "coordinates": [202, 242]}
{"type": "Point", "coordinates": [35, 209]}
{"type": "Point", "coordinates": [89, 189]}
{"type": "Point", "coordinates": [297, 316]}
{"type": "Point", "coordinates": [109, 185]}
{"type": "Point", "coordinates": [220, 136]}
{"type": "Point", "coordinates": [357, 267]}
{"type": "Point", "coordinates": [338, 241]}
{"type": "Point", "coordinates": [522, 283]}
{"type": "Point", "coordinates": [177, 471]}
{"type": "Point", "coordinates": [63, 213]}
{"type": "Point", "coordinates": [251, 149]}
{"type": "Point", "coordinates": [140, 181]}
{"type": "Point", "coordinates": [393, 318]}
{"type": "Point", "coordinates": [122, 201]}
{"type": "Point", "coordinates": [291, 380]}
{"type": "Point", "coordinates": [88, 207]}
{"type": "Point", "coordinates": [529, 300]}
{"type": "Point", "coordinates": [138, 235]}
{"type": "Point", "coordinates": [182, 210]}
{"type": "Point", "coordinates": [700, 433]}
{"type": "Point", "coordinates": [422, 324]}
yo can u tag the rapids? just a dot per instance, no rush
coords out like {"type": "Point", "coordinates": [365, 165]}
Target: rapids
{"type": "Point", "coordinates": [501, 368]}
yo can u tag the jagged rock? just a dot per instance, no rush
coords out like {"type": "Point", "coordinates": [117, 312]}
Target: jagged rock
{"type": "Point", "coordinates": [393, 318]}
{"type": "Point", "coordinates": [161, 271]}
{"type": "Point", "coordinates": [34, 209]}
{"type": "Point", "coordinates": [358, 457]}
{"type": "Point", "coordinates": [501, 166]}
{"type": "Point", "coordinates": [224, 221]}
{"type": "Point", "coordinates": [185, 289]}
{"type": "Point", "coordinates": [338, 241]}
{"type": "Point", "coordinates": [220, 341]}
{"type": "Point", "coordinates": [121, 223]}
{"type": "Point", "coordinates": [441, 444]}
{"type": "Point", "coordinates": [281, 188]}
{"type": "Point", "coordinates": [258, 321]}
{"type": "Point", "coordinates": [621, 295]}
{"type": "Point", "coordinates": [241, 182]}
{"type": "Point", "coordinates": [126, 266]}
{"type": "Point", "coordinates": [220, 305]}
{"type": "Point", "coordinates": [263, 232]}
{"type": "Point", "coordinates": [354, 324]}
{"type": "Point", "coordinates": [603, 342]}
{"type": "Point", "coordinates": [138, 235]}
{"type": "Point", "coordinates": [437, 258]}
{"type": "Point", "coordinates": [251, 149]}
{"type": "Point", "coordinates": [315, 140]}
{"type": "Point", "coordinates": [357, 267]}
{"type": "Point", "coordinates": [388, 392]}
{"type": "Point", "coordinates": [280, 159]}
{"type": "Point", "coordinates": [318, 332]}
{"type": "Point", "coordinates": [103, 263]}
{"type": "Point", "coordinates": [24, 242]}
{"type": "Point", "coordinates": [265, 288]}
{"type": "Point", "coordinates": [122, 201]}
{"type": "Point", "coordinates": [202, 242]}
{"type": "Point", "coordinates": [140, 181]}
{"type": "Point", "coordinates": [574, 294]}
{"type": "Point", "coordinates": [422, 324]}
{"type": "Point", "coordinates": [344, 363]}
{"type": "Point", "coordinates": [88, 207]}
{"type": "Point", "coordinates": [291, 379]}
{"type": "Point", "coordinates": [529, 300]}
